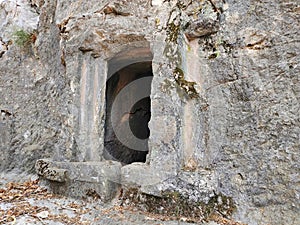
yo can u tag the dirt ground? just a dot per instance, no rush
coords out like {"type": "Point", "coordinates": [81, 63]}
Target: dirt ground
{"type": "Point", "coordinates": [26, 202]}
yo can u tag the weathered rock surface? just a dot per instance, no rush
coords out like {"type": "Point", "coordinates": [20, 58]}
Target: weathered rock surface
{"type": "Point", "coordinates": [224, 96]}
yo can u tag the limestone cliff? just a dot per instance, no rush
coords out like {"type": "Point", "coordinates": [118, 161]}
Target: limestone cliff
{"type": "Point", "coordinates": [224, 95]}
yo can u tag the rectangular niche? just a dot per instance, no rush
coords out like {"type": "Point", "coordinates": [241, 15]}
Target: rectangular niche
{"type": "Point", "coordinates": [128, 113]}
{"type": "Point", "coordinates": [124, 76]}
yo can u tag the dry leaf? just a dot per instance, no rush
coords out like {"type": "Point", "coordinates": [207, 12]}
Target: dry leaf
{"type": "Point", "coordinates": [43, 214]}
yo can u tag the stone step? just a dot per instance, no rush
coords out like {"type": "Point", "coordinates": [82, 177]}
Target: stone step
{"type": "Point", "coordinates": [80, 179]}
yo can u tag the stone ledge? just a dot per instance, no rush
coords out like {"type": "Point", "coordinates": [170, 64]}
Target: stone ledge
{"type": "Point", "coordinates": [105, 179]}
{"type": "Point", "coordinates": [78, 179]}
{"type": "Point", "coordinates": [202, 182]}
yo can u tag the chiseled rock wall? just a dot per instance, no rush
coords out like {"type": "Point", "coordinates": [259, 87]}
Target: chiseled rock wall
{"type": "Point", "coordinates": [233, 114]}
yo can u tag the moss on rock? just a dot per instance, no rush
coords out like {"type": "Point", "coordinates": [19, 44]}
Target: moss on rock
{"type": "Point", "coordinates": [173, 205]}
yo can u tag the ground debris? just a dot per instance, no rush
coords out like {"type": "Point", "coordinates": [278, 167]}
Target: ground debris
{"type": "Point", "coordinates": [20, 191]}
{"type": "Point", "coordinates": [28, 203]}
{"type": "Point", "coordinates": [15, 198]}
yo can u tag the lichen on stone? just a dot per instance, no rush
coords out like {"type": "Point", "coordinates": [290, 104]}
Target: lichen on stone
{"type": "Point", "coordinates": [187, 86]}
{"type": "Point", "coordinates": [166, 85]}
{"type": "Point", "coordinates": [173, 32]}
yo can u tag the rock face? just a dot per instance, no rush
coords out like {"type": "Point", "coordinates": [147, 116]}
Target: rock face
{"type": "Point", "coordinates": [224, 95]}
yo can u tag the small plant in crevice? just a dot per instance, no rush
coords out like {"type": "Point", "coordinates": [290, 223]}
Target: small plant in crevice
{"type": "Point", "coordinates": [23, 38]}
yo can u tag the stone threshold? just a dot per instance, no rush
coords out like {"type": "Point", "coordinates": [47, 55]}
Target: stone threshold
{"type": "Point", "coordinates": [105, 179]}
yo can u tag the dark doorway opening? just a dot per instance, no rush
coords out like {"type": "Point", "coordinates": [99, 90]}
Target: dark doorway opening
{"type": "Point", "coordinates": [128, 113]}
